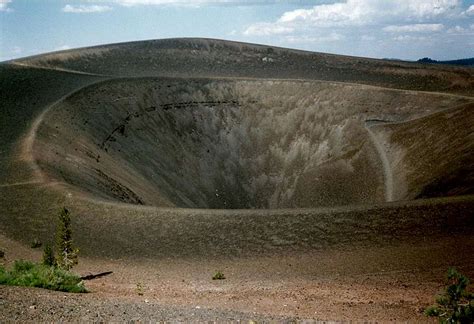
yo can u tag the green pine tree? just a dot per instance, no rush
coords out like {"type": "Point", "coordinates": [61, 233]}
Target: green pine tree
{"type": "Point", "coordinates": [67, 253]}
{"type": "Point", "coordinates": [456, 304]}
{"type": "Point", "coordinates": [48, 256]}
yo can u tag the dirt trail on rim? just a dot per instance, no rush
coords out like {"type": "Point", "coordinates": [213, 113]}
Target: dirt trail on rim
{"type": "Point", "coordinates": [387, 171]}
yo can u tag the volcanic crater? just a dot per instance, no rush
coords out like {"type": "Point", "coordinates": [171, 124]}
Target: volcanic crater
{"type": "Point", "coordinates": [322, 186]}
{"type": "Point", "coordinates": [230, 144]}
{"type": "Point", "coordinates": [197, 147]}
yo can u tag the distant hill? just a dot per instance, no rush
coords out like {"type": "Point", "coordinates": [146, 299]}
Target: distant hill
{"type": "Point", "coordinates": [463, 62]}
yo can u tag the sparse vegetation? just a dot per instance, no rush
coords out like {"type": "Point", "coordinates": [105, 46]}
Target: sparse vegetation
{"type": "Point", "coordinates": [140, 289]}
{"type": "Point", "coordinates": [456, 304]}
{"type": "Point", "coordinates": [67, 253]}
{"type": "Point", "coordinates": [26, 273]}
{"type": "Point", "coordinates": [48, 256]}
{"type": "Point", "coordinates": [52, 273]}
{"type": "Point", "coordinates": [36, 244]}
{"type": "Point", "coordinates": [218, 276]}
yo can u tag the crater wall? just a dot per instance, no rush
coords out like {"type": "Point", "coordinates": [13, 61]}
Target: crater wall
{"type": "Point", "coordinates": [217, 143]}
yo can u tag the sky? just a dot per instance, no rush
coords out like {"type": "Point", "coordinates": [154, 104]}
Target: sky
{"type": "Point", "coordinates": [403, 29]}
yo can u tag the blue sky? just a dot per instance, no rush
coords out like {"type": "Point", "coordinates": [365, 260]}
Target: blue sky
{"type": "Point", "coordinates": [405, 29]}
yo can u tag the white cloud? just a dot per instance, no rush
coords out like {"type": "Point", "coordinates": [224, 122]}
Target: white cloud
{"type": "Point", "coordinates": [402, 16]}
{"type": "Point", "coordinates": [470, 11]}
{"type": "Point", "coordinates": [62, 48]}
{"type": "Point", "coordinates": [192, 3]}
{"type": "Point", "coordinates": [265, 29]}
{"type": "Point", "coordinates": [362, 12]}
{"type": "Point", "coordinates": [456, 29]}
{"type": "Point", "coordinates": [467, 31]}
{"type": "Point", "coordinates": [155, 2]}
{"type": "Point", "coordinates": [410, 38]}
{"type": "Point", "coordinates": [414, 28]}
{"type": "Point", "coordinates": [85, 8]}
{"type": "Point", "coordinates": [332, 37]}
{"type": "Point", "coordinates": [4, 5]}
{"type": "Point", "coordinates": [327, 15]}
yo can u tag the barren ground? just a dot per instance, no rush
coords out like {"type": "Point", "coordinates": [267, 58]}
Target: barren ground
{"type": "Point", "coordinates": [377, 284]}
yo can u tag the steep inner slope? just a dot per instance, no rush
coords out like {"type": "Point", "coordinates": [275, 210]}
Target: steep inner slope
{"type": "Point", "coordinates": [209, 143]}
{"type": "Point", "coordinates": [431, 156]}
{"type": "Point", "coordinates": [24, 93]}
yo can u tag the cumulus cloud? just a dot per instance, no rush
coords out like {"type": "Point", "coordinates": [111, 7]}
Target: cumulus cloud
{"type": "Point", "coordinates": [4, 5]}
{"type": "Point", "coordinates": [196, 3]}
{"type": "Point", "coordinates": [266, 29]}
{"type": "Point", "coordinates": [362, 12]}
{"type": "Point", "coordinates": [470, 11]}
{"type": "Point", "coordinates": [466, 31]}
{"type": "Point", "coordinates": [130, 3]}
{"type": "Point", "coordinates": [409, 38]}
{"type": "Point", "coordinates": [332, 37]}
{"type": "Point", "coordinates": [350, 14]}
{"type": "Point", "coordinates": [456, 29]}
{"type": "Point", "coordinates": [414, 28]}
{"type": "Point", "coordinates": [348, 19]}
{"type": "Point", "coordinates": [151, 2]}
{"type": "Point", "coordinates": [85, 8]}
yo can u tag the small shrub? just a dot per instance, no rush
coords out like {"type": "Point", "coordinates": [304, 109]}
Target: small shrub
{"type": "Point", "coordinates": [25, 273]}
{"type": "Point", "coordinates": [140, 289]}
{"type": "Point", "coordinates": [2, 254]}
{"type": "Point", "coordinates": [21, 266]}
{"type": "Point", "coordinates": [218, 276]}
{"type": "Point", "coordinates": [48, 256]}
{"type": "Point", "coordinates": [66, 252]}
{"type": "Point", "coordinates": [455, 305]}
{"type": "Point", "coordinates": [35, 244]}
